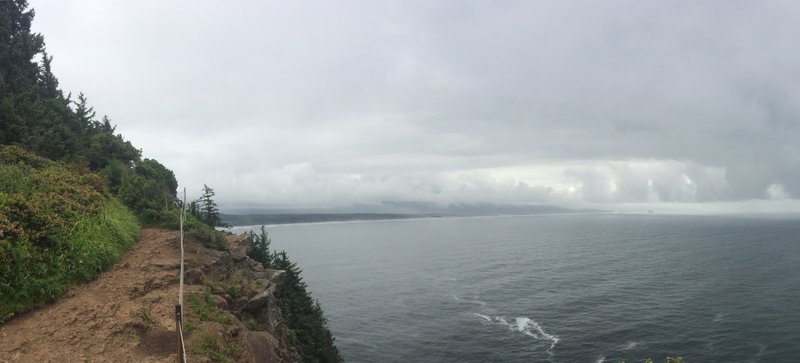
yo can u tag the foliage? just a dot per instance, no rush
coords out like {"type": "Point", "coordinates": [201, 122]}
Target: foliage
{"type": "Point", "coordinates": [37, 115]}
{"type": "Point", "coordinates": [36, 112]}
{"type": "Point", "coordinates": [57, 226]}
{"type": "Point", "coordinates": [204, 341]}
{"type": "Point", "coordinates": [145, 316]}
{"type": "Point", "coordinates": [204, 307]}
{"type": "Point", "coordinates": [205, 209]}
{"type": "Point", "coordinates": [207, 235]}
{"type": "Point", "coordinates": [148, 190]}
{"type": "Point", "coordinates": [259, 247]}
{"type": "Point", "coordinates": [302, 313]}
{"type": "Point", "coordinates": [208, 344]}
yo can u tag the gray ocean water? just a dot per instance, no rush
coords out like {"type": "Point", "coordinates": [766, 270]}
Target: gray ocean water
{"type": "Point", "coordinates": [569, 288]}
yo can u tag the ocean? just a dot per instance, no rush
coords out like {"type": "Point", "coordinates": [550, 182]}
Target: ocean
{"type": "Point", "coordinates": [555, 288]}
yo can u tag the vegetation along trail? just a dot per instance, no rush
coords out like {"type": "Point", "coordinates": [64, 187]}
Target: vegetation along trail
{"type": "Point", "coordinates": [126, 314]}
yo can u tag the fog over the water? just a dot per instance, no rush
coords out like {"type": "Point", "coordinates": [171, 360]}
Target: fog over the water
{"type": "Point", "coordinates": [681, 104]}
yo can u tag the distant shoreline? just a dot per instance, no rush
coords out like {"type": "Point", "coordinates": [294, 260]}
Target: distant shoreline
{"type": "Point", "coordinates": [377, 217]}
{"type": "Point", "coordinates": [302, 218]}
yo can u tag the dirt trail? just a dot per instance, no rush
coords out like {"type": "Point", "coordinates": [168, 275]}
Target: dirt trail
{"type": "Point", "coordinates": [126, 315]}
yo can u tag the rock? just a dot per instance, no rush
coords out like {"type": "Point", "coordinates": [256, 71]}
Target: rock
{"type": "Point", "coordinates": [260, 346]}
{"type": "Point", "coordinates": [276, 277]}
{"type": "Point", "coordinates": [255, 265]}
{"type": "Point", "coordinates": [220, 301]}
{"type": "Point", "coordinates": [194, 276]}
{"type": "Point", "coordinates": [258, 302]}
{"type": "Point", "coordinates": [238, 254]}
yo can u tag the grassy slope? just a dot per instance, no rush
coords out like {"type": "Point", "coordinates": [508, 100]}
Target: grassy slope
{"type": "Point", "coordinates": [58, 225]}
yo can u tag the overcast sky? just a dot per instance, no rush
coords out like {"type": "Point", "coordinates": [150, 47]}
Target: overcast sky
{"type": "Point", "coordinates": [329, 104]}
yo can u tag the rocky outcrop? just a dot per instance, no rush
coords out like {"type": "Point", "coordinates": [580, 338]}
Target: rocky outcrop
{"type": "Point", "coordinates": [246, 323]}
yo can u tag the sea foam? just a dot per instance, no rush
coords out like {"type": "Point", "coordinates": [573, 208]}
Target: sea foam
{"type": "Point", "coordinates": [630, 345]}
{"type": "Point", "coordinates": [524, 325]}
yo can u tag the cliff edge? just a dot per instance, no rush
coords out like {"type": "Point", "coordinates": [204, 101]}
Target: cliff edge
{"type": "Point", "coordinates": [128, 312]}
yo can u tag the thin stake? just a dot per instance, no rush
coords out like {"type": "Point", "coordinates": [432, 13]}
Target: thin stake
{"type": "Point", "coordinates": [183, 216]}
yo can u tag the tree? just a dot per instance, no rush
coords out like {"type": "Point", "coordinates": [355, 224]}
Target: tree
{"type": "Point", "coordinates": [18, 73]}
{"type": "Point", "coordinates": [260, 248]}
{"type": "Point", "coordinates": [85, 113]}
{"type": "Point", "coordinates": [303, 315]}
{"type": "Point", "coordinates": [208, 213]}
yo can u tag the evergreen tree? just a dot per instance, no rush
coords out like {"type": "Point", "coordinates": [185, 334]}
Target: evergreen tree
{"type": "Point", "coordinates": [209, 214]}
{"type": "Point", "coordinates": [259, 250]}
{"type": "Point", "coordinates": [303, 315]}
{"type": "Point", "coordinates": [35, 114]}
{"type": "Point", "coordinates": [18, 72]}
{"type": "Point", "coordinates": [85, 113]}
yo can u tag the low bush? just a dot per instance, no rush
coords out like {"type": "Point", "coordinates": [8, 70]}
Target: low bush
{"type": "Point", "coordinates": [57, 227]}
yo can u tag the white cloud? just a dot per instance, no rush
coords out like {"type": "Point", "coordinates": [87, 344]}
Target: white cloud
{"type": "Point", "coordinates": [776, 191]}
{"type": "Point", "coordinates": [530, 102]}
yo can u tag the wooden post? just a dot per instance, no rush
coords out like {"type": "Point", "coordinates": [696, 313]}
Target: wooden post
{"type": "Point", "coordinates": [178, 331]}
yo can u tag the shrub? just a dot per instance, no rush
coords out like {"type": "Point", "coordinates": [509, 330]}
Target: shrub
{"type": "Point", "coordinates": [57, 227]}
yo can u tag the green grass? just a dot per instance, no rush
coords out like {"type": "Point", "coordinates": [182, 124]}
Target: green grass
{"type": "Point", "coordinates": [202, 339]}
{"type": "Point", "coordinates": [211, 346]}
{"type": "Point", "coordinates": [204, 307]}
{"type": "Point", "coordinates": [58, 226]}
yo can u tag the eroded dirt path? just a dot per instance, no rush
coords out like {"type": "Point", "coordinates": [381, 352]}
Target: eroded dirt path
{"type": "Point", "coordinates": [126, 315]}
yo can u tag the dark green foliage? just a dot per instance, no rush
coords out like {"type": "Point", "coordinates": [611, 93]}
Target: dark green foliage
{"type": "Point", "coordinates": [57, 226]}
{"type": "Point", "coordinates": [259, 247]}
{"type": "Point", "coordinates": [11, 155]}
{"type": "Point", "coordinates": [149, 190]}
{"type": "Point", "coordinates": [104, 147]}
{"type": "Point", "coordinates": [35, 114]}
{"type": "Point", "coordinates": [303, 316]}
{"type": "Point", "coordinates": [210, 237]}
{"type": "Point", "coordinates": [205, 208]}
{"type": "Point", "coordinates": [302, 313]}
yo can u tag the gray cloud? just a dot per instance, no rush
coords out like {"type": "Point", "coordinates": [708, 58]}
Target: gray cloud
{"type": "Point", "coordinates": [510, 102]}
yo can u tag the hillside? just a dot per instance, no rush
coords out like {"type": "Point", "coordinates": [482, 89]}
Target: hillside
{"type": "Point", "coordinates": [128, 313]}
{"type": "Point", "coordinates": [58, 226]}
{"type": "Point", "coordinates": [74, 195]}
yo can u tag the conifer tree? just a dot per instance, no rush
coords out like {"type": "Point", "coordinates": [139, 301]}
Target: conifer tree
{"type": "Point", "coordinates": [85, 113]}
{"type": "Point", "coordinates": [209, 214]}
{"type": "Point", "coordinates": [260, 248]}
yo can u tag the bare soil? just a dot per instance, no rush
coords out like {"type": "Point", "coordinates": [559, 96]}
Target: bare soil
{"type": "Point", "coordinates": [126, 315]}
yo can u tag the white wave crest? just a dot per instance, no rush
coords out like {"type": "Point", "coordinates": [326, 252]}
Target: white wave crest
{"type": "Point", "coordinates": [601, 359]}
{"type": "Point", "coordinates": [484, 317]}
{"type": "Point", "coordinates": [467, 301]}
{"type": "Point", "coordinates": [630, 345]}
{"type": "Point", "coordinates": [526, 326]}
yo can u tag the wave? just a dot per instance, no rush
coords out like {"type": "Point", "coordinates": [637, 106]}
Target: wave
{"type": "Point", "coordinates": [524, 325]}
{"type": "Point", "coordinates": [630, 345]}
{"type": "Point", "coordinates": [601, 359]}
{"type": "Point", "coordinates": [472, 302]}
{"type": "Point", "coordinates": [719, 317]}
{"type": "Point", "coordinates": [484, 317]}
